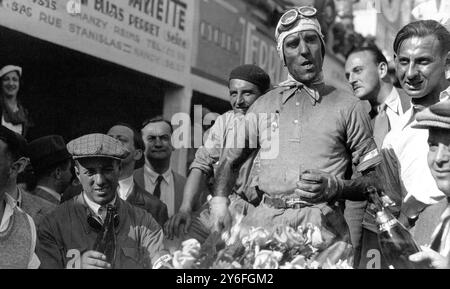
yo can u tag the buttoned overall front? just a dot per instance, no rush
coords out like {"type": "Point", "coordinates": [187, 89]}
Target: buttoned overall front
{"type": "Point", "coordinates": [297, 131]}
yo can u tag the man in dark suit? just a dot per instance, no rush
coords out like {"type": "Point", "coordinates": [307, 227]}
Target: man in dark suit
{"type": "Point", "coordinates": [128, 189]}
{"type": "Point", "coordinates": [157, 176]}
{"type": "Point", "coordinates": [52, 166]}
{"type": "Point", "coordinates": [367, 71]}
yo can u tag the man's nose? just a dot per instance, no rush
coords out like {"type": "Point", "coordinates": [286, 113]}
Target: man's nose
{"type": "Point", "coordinates": [303, 48]}
{"type": "Point", "coordinates": [412, 72]}
{"type": "Point", "coordinates": [240, 99]}
{"type": "Point", "coordinates": [442, 155]}
{"type": "Point", "coordinates": [99, 179]}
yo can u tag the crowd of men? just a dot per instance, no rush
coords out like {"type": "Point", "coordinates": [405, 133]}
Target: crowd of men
{"type": "Point", "coordinates": [309, 152]}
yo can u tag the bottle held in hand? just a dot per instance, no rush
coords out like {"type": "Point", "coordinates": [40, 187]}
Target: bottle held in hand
{"type": "Point", "coordinates": [106, 238]}
{"type": "Point", "coordinates": [396, 242]}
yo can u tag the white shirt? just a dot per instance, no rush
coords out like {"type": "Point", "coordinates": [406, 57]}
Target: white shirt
{"type": "Point", "coordinates": [126, 186]}
{"type": "Point", "coordinates": [394, 109]}
{"type": "Point", "coordinates": [445, 95]}
{"type": "Point", "coordinates": [10, 204]}
{"type": "Point", "coordinates": [53, 193]}
{"type": "Point", "coordinates": [167, 187]}
{"type": "Point", "coordinates": [410, 146]}
{"type": "Point", "coordinates": [429, 10]}
{"type": "Point", "coordinates": [15, 128]}
{"type": "Point", "coordinates": [96, 208]}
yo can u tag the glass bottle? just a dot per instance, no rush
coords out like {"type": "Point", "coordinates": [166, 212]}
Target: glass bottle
{"type": "Point", "coordinates": [106, 238]}
{"type": "Point", "coordinates": [395, 241]}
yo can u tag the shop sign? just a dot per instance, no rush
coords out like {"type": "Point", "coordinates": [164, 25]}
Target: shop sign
{"type": "Point", "coordinates": [151, 36]}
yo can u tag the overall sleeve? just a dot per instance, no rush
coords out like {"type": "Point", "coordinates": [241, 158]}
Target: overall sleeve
{"type": "Point", "coordinates": [359, 139]}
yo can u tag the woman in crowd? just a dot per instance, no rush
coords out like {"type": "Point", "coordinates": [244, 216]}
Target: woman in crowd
{"type": "Point", "coordinates": [13, 115]}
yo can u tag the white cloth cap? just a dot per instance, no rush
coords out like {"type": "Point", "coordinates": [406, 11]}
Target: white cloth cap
{"type": "Point", "coordinates": [9, 68]}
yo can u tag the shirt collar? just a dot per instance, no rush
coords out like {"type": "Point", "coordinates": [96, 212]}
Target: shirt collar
{"type": "Point", "coordinates": [291, 86]}
{"type": "Point", "coordinates": [52, 192]}
{"type": "Point", "coordinates": [393, 101]}
{"type": "Point", "coordinates": [154, 175]}
{"type": "Point", "coordinates": [94, 206]}
{"type": "Point", "coordinates": [125, 187]}
{"type": "Point", "coordinates": [10, 204]}
{"type": "Point", "coordinates": [445, 95]}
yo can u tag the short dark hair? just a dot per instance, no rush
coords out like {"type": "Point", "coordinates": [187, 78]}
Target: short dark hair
{"type": "Point", "coordinates": [374, 50]}
{"type": "Point", "coordinates": [424, 28]}
{"type": "Point", "coordinates": [155, 120]}
{"type": "Point", "coordinates": [137, 137]}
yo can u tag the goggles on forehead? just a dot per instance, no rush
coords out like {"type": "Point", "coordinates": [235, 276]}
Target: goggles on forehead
{"type": "Point", "coordinates": [291, 16]}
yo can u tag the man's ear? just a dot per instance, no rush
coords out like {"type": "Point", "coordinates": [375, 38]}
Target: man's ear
{"type": "Point", "coordinates": [77, 171]}
{"type": "Point", "coordinates": [138, 153]}
{"type": "Point", "coordinates": [383, 70]}
{"type": "Point", "coordinates": [57, 173]}
{"type": "Point", "coordinates": [19, 166]}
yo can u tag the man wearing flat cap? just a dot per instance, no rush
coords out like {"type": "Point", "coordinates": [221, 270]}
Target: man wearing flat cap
{"type": "Point", "coordinates": [67, 236]}
{"type": "Point", "coordinates": [52, 166]}
{"type": "Point", "coordinates": [246, 84]}
{"type": "Point", "coordinates": [309, 135]}
{"type": "Point", "coordinates": [17, 228]}
{"type": "Point", "coordinates": [436, 119]}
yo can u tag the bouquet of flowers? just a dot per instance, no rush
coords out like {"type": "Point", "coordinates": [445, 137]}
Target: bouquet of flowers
{"type": "Point", "coordinates": [282, 248]}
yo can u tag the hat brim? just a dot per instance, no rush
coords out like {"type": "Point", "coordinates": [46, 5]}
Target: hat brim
{"type": "Point", "coordinates": [97, 156]}
{"type": "Point", "coordinates": [427, 124]}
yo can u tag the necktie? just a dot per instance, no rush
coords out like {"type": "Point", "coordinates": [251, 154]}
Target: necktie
{"type": "Point", "coordinates": [441, 242]}
{"type": "Point", "coordinates": [381, 125]}
{"type": "Point", "coordinates": [157, 191]}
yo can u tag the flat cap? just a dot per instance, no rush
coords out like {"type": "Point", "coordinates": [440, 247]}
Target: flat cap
{"type": "Point", "coordinates": [97, 145]}
{"type": "Point", "coordinates": [436, 116]}
{"type": "Point", "coordinates": [47, 151]}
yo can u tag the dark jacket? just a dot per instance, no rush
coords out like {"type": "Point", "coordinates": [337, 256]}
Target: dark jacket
{"type": "Point", "coordinates": [46, 196]}
{"type": "Point", "coordinates": [36, 207]}
{"type": "Point", "coordinates": [144, 200]}
{"type": "Point", "coordinates": [65, 235]}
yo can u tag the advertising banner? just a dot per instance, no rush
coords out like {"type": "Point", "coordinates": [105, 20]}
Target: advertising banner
{"type": "Point", "coordinates": [151, 36]}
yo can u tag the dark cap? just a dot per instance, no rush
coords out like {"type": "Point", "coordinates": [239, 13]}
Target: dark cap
{"type": "Point", "coordinates": [47, 151]}
{"type": "Point", "coordinates": [253, 74]}
{"type": "Point", "coordinates": [436, 116]}
{"type": "Point", "coordinates": [16, 143]}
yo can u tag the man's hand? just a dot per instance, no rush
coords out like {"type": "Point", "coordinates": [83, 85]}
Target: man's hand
{"type": "Point", "coordinates": [435, 260]}
{"type": "Point", "coordinates": [220, 215]}
{"type": "Point", "coordinates": [316, 186]}
{"type": "Point", "coordinates": [174, 226]}
{"type": "Point", "coordinates": [94, 260]}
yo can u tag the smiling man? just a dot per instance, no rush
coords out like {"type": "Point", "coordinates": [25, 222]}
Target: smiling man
{"type": "Point", "coordinates": [421, 49]}
{"type": "Point", "coordinates": [67, 236]}
{"type": "Point", "coordinates": [246, 84]}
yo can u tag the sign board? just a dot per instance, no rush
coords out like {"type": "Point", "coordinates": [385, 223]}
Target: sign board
{"type": "Point", "coordinates": [153, 37]}
{"type": "Point", "coordinates": [229, 37]}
